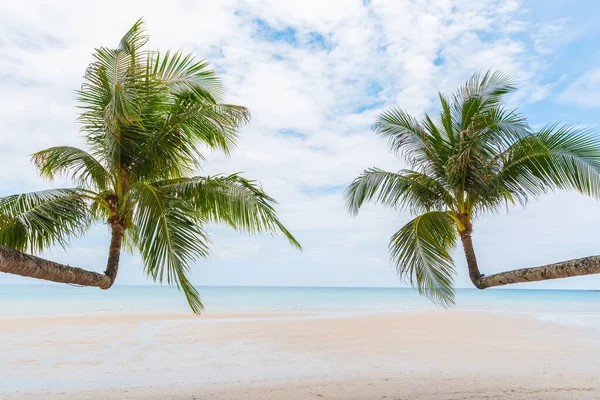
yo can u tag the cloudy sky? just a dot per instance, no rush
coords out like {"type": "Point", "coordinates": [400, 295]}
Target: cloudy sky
{"type": "Point", "coordinates": [315, 74]}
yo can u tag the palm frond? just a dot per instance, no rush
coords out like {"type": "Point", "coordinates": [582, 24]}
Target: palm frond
{"type": "Point", "coordinates": [556, 157]}
{"type": "Point", "coordinates": [499, 127]}
{"type": "Point", "coordinates": [134, 39]}
{"type": "Point", "coordinates": [83, 168]}
{"type": "Point", "coordinates": [421, 252]}
{"type": "Point", "coordinates": [445, 117]}
{"type": "Point", "coordinates": [183, 75]}
{"type": "Point", "coordinates": [191, 293]}
{"type": "Point", "coordinates": [212, 125]}
{"type": "Point", "coordinates": [232, 200]}
{"type": "Point", "coordinates": [173, 144]}
{"type": "Point", "coordinates": [168, 233]}
{"type": "Point", "coordinates": [114, 94]}
{"type": "Point", "coordinates": [475, 104]}
{"type": "Point", "coordinates": [35, 221]}
{"type": "Point", "coordinates": [116, 66]}
{"type": "Point", "coordinates": [407, 189]}
{"type": "Point", "coordinates": [488, 88]}
{"type": "Point", "coordinates": [404, 134]}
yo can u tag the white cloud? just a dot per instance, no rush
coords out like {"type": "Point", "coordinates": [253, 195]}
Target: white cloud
{"type": "Point", "coordinates": [584, 90]}
{"type": "Point", "coordinates": [328, 92]}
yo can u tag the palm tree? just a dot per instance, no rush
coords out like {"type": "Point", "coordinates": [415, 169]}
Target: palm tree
{"type": "Point", "coordinates": [146, 116]}
{"type": "Point", "coordinates": [475, 156]}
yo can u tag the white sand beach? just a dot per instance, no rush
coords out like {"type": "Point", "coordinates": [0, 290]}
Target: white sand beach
{"type": "Point", "coordinates": [424, 355]}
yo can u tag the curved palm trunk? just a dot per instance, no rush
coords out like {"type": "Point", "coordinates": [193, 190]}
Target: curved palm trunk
{"type": "Point", "coordinates": [15, 262]}
{"type": "Point", "coordinates": [114, 253]}
{"type": "Point", "coordinates": [565, 269]}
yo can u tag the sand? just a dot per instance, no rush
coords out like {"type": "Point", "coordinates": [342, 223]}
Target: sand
{"type": "Point", "coordinates": [427, 355]}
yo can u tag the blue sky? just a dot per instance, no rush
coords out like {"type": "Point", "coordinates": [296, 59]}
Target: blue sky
{"type": "Point", "coordinates": [315, 75]}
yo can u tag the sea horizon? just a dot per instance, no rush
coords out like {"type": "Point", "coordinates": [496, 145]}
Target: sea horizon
{"type": "Point", "coordinates": [307, 286]}
{"type": "Point", "coordinates": [573, 307]}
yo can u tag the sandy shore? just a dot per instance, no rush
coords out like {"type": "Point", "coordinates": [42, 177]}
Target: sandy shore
{"type": "Point", "coordinates": [431, 355]}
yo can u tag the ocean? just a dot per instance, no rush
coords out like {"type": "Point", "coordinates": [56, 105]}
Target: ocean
{"type": "Point", "coordinates": [572, 307]}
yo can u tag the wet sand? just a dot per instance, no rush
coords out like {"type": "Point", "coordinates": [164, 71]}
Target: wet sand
{"type": "Point", "coordinates": [426, 355]}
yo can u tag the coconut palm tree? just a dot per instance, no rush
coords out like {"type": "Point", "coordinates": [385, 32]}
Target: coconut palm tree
{"type": "Point", "coordinates": [475, 156]}
{"type": "Point", "coordinates": [146, 117]}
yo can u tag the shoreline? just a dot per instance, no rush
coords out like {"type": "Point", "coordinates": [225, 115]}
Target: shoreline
{"type": "Point", "coordinates": [107, 318]}
{"type": "Point", "coordinates": [288, 355]}
{"type": "Point", "coordinates": [410, 386]}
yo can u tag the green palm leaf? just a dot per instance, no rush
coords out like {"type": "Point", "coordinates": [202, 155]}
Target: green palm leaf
{"type": "Point", "coordinates": [210, 124]}
{"type": "Point", "coordinates": [168, 233]}
{"type": "Point", "coordinates": [34, 221]}
{"type": "Point", "coordinates": [404, 134]}
{"type": "Point", "coordinates": [407, 189]}
{"type": "Point", "coordinates": [557, 157]}
{"type": "Point", "coordinates": [489, 89]}
{"type": "Point", "coordinates": [232, 200]}
{"type": "Point", "coordinates": [421, 252]}
{"type": "Point", "coordinates": [83, 167]}
{"type": "Point", "coordinates": [184, 75]}
{"type": "Point", "coordinates": [135, 38]}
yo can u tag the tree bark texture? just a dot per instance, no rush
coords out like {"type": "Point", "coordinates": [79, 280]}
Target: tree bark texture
{"type": "Point", "coordinates": [15, 262]}
{"type": "Point", "coordinates": [564, 269]}
{"type": "Point", "coordinates": [114, 252]}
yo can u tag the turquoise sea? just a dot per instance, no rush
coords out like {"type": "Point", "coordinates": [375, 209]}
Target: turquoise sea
{"type": "Point", "coordinates": [573, 307]}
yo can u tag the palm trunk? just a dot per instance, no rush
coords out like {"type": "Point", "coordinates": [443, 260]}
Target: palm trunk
{"type": "Point", "coordinates": [15, 262]}
{"type": "Point", "coordinates": [114, 252]}
{"type": "Point", "coordinates": [474, 273]}
{"type": "Point", "coordinates": [565, 269]}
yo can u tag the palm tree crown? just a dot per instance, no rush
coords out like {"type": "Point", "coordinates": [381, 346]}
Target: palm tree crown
{"type": "Point", "coordinates": [473, 157]}
{"type": "Point", "coordinates": [146, 116]}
